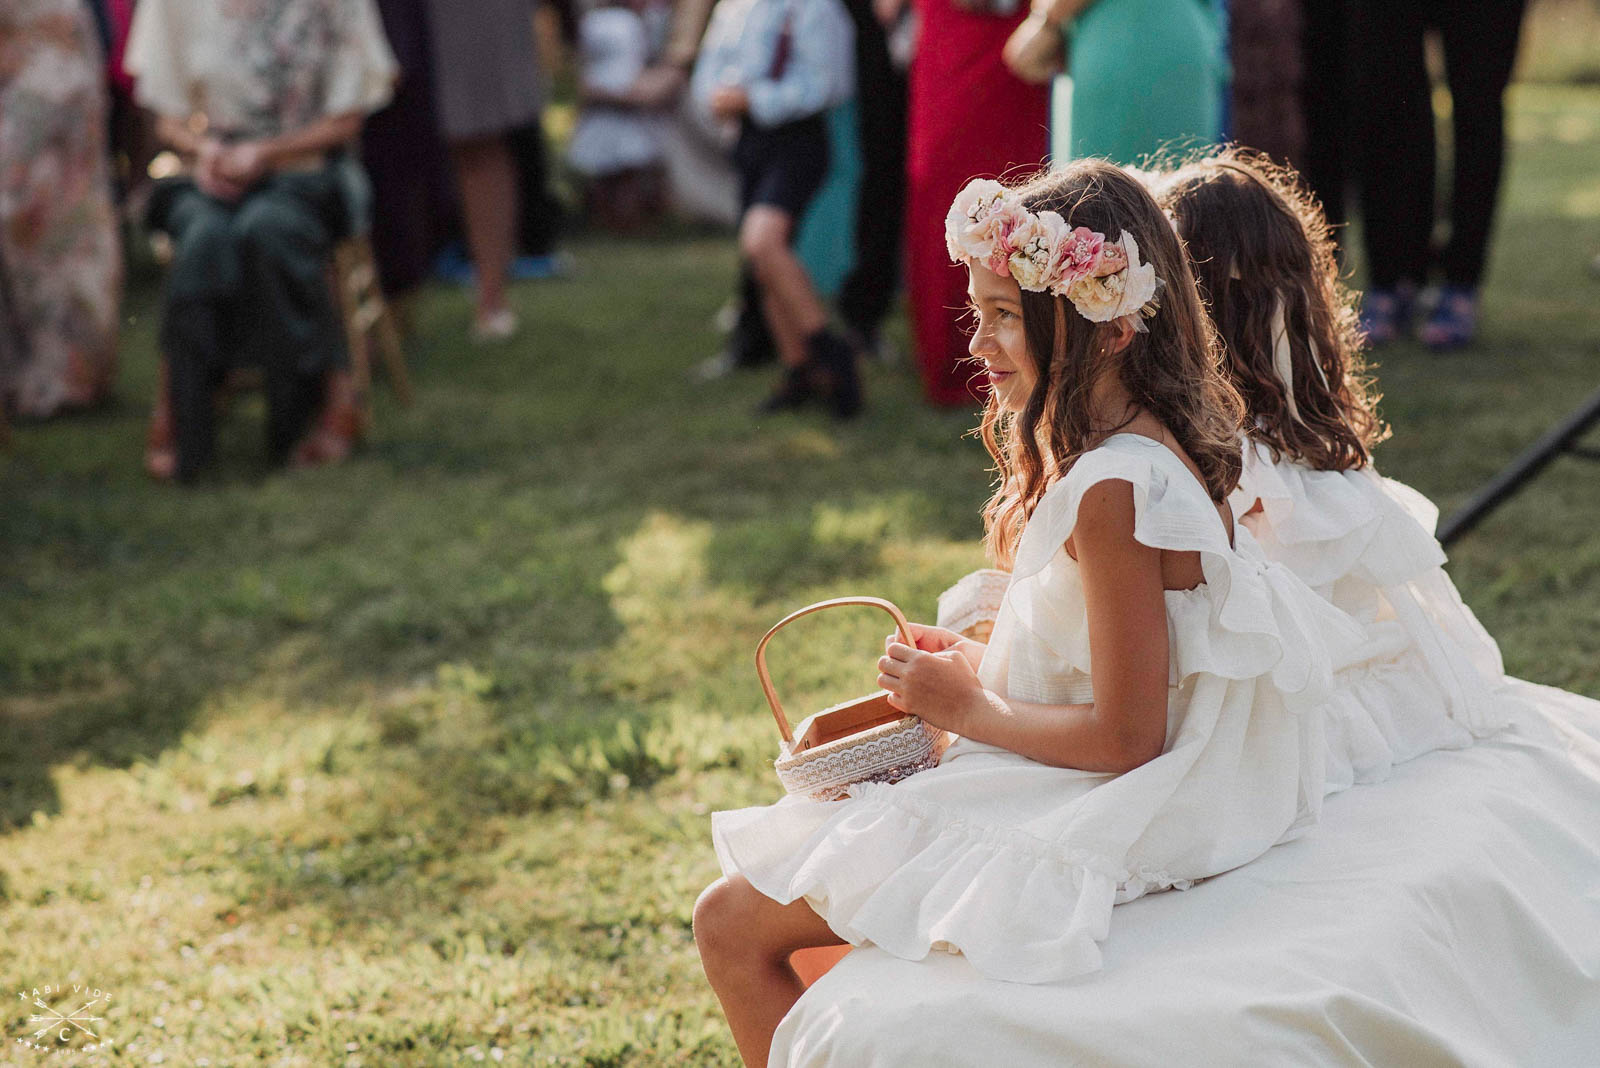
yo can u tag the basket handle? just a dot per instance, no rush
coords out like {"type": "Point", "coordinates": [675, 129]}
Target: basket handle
{"type": "Point", "coordinates": [837, 602]}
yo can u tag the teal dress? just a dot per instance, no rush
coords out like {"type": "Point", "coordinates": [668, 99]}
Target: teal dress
{"type": "Point", "coordinates": [826, 243]}
{"type": "Point", "coordinates": [1142, 75]}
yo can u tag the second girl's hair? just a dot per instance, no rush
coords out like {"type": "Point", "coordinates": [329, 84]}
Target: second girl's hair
{"type": "Point", "coordinates": [1173, 370]}
{"type": "Point", "coordinates": [1258, 240]}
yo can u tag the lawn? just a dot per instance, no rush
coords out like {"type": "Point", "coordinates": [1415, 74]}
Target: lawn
{"type": "Point", "coordinates": [409, 761]}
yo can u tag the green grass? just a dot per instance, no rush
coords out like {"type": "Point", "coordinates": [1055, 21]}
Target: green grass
{"type": "Point", "coordinates": [409, 760]}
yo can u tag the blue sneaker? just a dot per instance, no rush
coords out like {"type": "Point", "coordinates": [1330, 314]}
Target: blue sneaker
{"type": "Point", "coordinates": [1386, 314]}
{"type": "Point", "coordinates": [534, 268]}
{"type": "Point", "coordinates": [1453, 323]}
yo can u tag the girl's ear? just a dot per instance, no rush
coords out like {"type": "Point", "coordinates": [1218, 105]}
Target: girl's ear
{"type": "Point", "coordinates": [1119, 334]}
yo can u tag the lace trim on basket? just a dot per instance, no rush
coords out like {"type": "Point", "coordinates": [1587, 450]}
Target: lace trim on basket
{"type": "Point", "coordinates": [889, 758]}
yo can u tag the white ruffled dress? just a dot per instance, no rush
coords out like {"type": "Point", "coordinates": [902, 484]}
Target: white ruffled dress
{"type": "Point", "coordinates": [1017, 864]}
{"type": "Point", "coordinates": [1435, 679]}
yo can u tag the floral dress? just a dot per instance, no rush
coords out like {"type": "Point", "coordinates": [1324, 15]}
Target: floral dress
{"type": "Point", "coordinates": [60, 262]}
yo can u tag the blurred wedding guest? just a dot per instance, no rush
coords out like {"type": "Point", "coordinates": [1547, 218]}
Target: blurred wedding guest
{"type": "Point", "coordinates": [618, 144]}
{"type": "Point", "coordinates": [413, 196]}
{"type": "Point", "coordinates": [852, 229]}
{"type": "Point", "coordinates": [968, 116]}
{"type": "Point", "coordinates": [60, 261]}
{"type": "Point", "coordinates": [1325, 64]}
{"type": "Point", "coordinates": [772, 69]}
{"type": "Point", "coordinates": [488, 82]}
{"type": "Point", "coordinates": [868, 291]}
{"type": "Point", "coordinates": [1142, 75]}
{"type": "Point", "coordinates": [1264, 112]}
{"type": "Point", "coordinates": [1398, 154]}
{"type": "Point", "coordinates": [260, 101]}
{"type": "Point", "coordinates": [133, 140]}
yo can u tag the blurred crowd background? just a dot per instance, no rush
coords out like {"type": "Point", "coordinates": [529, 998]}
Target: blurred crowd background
{"type": "Point", "coordinates": [276, 149]}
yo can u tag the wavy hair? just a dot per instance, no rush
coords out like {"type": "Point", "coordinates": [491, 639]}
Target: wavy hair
{"type": "Point", "coordinates": [1259, 240]}
{"type": "Point", "coordinates": [1173, 370]}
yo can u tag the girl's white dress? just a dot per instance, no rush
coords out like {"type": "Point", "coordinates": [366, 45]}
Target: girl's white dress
{"type": "Point", "coordinates": [1365, 543]}
{"type": "Point", "coordinates": [1017, 865]}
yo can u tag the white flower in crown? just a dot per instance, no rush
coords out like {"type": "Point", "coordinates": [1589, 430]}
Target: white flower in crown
{"type": "Point", "coordinates": [1034, 245]}
{"type": "Point", "coordinates": [980, 223]}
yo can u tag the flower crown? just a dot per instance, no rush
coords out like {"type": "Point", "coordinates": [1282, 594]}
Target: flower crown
{"type": "Point", "coordinates": [988, 224]}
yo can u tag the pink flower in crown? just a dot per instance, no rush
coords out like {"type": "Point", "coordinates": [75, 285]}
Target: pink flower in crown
{"type": "Point", "coordinates": [1076, 255]}
{"type": "Point", "coordinates": [1119, 286]}
{"type": "Point", "coordinates": [1114, 257]}
{"type": "Point", "coordinates": [980, 223]}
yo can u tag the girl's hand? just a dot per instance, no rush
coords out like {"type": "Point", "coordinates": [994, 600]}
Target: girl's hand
{"type": "Point", "coordinates": [938, 640]}
{"type": "Point", "coordinates": [941, 687]}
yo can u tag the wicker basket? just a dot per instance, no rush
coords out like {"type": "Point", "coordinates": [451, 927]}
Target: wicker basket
{"type": "Point", "coordinates": [865, 740]}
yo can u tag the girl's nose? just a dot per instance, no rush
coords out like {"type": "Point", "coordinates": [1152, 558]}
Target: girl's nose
{"type": "Point", "coordinates": [980, 341]}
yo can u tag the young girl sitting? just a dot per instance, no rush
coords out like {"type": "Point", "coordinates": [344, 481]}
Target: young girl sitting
{"type": "Point", "coordinates": [1264, 259]}
{"type": "Point", "coordinates": [1147, 711]}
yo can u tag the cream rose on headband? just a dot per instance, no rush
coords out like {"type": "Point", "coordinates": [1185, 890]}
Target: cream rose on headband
{"type": "Point", "coordinates": [1101, 298]}
{"type": "Point", "coordinates": [987, 224]}
{"type": "Point", "coordinates": [979, 224]}
{"type": "Point", "coordinates": [1034, 243]}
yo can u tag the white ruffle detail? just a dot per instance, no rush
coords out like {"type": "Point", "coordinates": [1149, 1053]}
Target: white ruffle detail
{"type": "Point", "coordinates": [1366, 544]}
{"type": "Point", "coordinates": [1329, 525]}
{"type": "Point", "coordinates": [913, 876]}
{"type": "Point", "coordinates": [1250, 617]}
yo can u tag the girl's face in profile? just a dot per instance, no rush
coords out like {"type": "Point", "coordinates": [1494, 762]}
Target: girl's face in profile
{"type": "Point", "coordinates": [998, 339]}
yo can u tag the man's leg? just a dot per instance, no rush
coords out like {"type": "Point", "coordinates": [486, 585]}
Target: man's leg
{"type": "Point", "coordinates": [1480, 46]}
{"type": "Point", "coordinates": [206, 273]}
{"type": "Point", "coordinates": [283, 234]}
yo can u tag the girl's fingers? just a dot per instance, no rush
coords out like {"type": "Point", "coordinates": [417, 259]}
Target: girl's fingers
{"type": "Point", "coordinates": [890, 683]}
{"type": "Point", "coordinates": [890, 667]}
{"type": "Point", "coordinates": [900, 651]}
{"type": "Point", "coordinates": [896, 702]}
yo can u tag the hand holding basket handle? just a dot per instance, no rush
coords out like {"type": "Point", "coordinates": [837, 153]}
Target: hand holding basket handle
{"type": "Point", "coordinates": [865, 740]}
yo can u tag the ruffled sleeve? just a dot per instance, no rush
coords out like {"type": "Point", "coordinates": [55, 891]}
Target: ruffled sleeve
{"type": "Point", "coordinates": [1250, 618]}
{"type": "Point", "coordinates": [1330, 525]}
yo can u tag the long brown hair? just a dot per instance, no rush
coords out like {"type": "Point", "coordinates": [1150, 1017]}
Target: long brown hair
{"type": "Point", "coordinates": [1257, 239]}
{"type": "Point", "coordinates": [1173, 370]}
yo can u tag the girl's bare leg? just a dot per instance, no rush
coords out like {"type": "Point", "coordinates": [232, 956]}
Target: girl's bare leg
{"type": "Point", "coordinates": [745, 939]}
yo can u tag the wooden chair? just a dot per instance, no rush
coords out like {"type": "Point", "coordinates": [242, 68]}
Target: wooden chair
{"type": "Point", "coordinates": [368, 320]}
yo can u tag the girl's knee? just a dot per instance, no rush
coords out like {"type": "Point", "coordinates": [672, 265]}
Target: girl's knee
{"type": "Point", "coordinates": [722, 914]}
